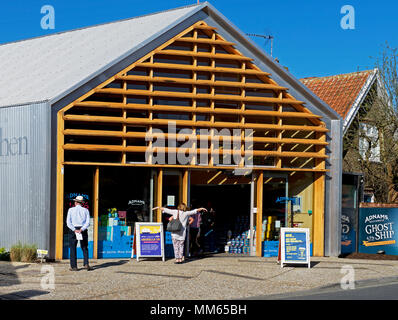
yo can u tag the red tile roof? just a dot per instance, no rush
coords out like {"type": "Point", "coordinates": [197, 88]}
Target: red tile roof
{"type": "Point", "coordinates": [339, 91]}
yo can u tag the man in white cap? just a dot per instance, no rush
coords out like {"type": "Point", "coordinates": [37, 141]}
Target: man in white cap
{"type": "Point", "coordinates": [78, 221]}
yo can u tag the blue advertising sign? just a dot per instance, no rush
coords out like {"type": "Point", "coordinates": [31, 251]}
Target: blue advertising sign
{"type": "Point", "coordinates": [377, 230]}
{"type": "Point", "coordinates": [150, 241]}
{"type": "Point", "coordinates": [295, 246]}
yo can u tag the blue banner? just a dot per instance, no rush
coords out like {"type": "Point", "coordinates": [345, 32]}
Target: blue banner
{"type": "Point", "coordinates": [377, 230]}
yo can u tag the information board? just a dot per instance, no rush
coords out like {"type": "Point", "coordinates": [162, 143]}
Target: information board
{"type": "Point", "coordinates": [148, 240]}
{"type": "Point", "coordinates": [295, 246]}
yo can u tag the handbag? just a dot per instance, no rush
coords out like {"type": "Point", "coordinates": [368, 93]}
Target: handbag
{"type": "Point", "coordinates": [175, 224]}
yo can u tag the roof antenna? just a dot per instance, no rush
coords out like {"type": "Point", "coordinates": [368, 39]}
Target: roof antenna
{"type": "Point", "coordinates": [266, 37]}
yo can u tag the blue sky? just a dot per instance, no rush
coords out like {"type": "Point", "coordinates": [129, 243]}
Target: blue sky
{"type": "Point", "coordinates": [308, 38]}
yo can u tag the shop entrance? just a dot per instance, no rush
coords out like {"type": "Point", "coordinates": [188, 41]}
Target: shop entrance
{"type": "Point", "coordinates": [117, 198]}
{"type": "Point", "coordinates": [229, 197]}
{"type": "Point", "coordinates": [275, 206]}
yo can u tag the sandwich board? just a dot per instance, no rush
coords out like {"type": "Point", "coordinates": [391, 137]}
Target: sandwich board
{"type": "Point", "coordinates": [295, 246]}
{"type": "Point", "coordinates": [148, 240]}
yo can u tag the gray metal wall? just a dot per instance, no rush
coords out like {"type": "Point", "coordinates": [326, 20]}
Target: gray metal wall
{"type": "Point", "coordinates": [25, 175]}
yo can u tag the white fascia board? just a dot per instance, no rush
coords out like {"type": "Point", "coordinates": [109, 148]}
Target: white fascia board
{"type": "Point", "coordinates": [359, 100]}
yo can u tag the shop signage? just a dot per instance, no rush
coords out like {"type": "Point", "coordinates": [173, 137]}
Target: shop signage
{"type": "Point", "coordinates": [377, 230]}
{"type": "Point", "coordinates": [13, 146]}
{"type": "Point", "coordinates": [72, 195]}
{"type": "Point", "coordinates": [294, 200]}
{"type": "Point", "coordinates": [148, 240]}
{"type": "Point", "coordinates": [295, 246]}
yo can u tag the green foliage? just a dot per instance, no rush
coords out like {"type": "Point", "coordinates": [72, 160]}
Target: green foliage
{"type": "Point", "coordinates": [4, 255]}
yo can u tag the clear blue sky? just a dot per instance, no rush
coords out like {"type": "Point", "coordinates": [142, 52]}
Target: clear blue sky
{"type": "Point", "coordinates": [308, 37]}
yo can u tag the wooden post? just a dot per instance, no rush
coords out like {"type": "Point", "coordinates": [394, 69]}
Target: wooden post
{"type": "Point", "coordinates": [319, 202]}
{"type": "Point", "coordinates": [159, 188]}
{"type": "Point", "coordinates": [95, 210]}
{"type": "Point", "coordinates": [185, 186]}
{"type": "Point", "coordinates": [60, 189]}
{"type": "Point", "coordinates": [319, 212]}
{"type": "Point", "coordinates": [259, 220]}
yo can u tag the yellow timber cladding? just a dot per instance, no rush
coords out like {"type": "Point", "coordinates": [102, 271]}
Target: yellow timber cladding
{"type": "Point", "coordinates": [201, 86]}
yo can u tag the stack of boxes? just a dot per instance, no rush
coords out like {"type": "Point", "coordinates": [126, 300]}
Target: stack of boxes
{"type": "Point", "coordinates": [115, 237]}
{"type": "Point", "coordinates": [239, 242]}
{"type": "Point", "coordinates": [107, 224]}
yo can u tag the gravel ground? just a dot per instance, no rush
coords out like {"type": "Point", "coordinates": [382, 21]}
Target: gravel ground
{"type": "Point", "coordinates": [211, 278]}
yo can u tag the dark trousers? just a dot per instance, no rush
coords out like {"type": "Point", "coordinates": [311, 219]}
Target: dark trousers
{"type": "Point", "coordinates": [193, 233]}
{"type": "Point", "coordinates": [73, 245]}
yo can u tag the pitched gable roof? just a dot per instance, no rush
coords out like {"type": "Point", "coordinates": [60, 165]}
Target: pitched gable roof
{"type": "Point", "coordinates": [42, 68]}
{"type": "Point", "coordinates": [343, 92]}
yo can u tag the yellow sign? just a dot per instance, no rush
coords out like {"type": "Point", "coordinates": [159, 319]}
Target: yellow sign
{"type": "Point", "coordinates": [149, 229]}
{"type": "Point", "coordinates": [379, 243]}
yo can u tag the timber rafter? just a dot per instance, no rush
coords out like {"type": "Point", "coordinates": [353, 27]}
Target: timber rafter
{"type": "Point", "coordinates": [197, 80]}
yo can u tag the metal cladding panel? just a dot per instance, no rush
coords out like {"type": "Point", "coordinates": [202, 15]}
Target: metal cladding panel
{"type": "Point", "coordinates": [25, 175]}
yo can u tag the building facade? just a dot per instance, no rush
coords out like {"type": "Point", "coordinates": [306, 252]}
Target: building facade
{"type": "Point", "coordinates": [177, 106]}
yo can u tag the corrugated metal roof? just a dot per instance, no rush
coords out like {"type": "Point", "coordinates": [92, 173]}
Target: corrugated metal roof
{"type": "Point", "coordinates": [43, 68]}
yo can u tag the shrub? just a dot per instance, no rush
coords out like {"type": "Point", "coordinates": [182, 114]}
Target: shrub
{"type": "Point", "coordinates": [4, 255]}
{"type": "Point", "coordinates": [29, 253]}
{"type": "Point", "coordinates": [15, 252]}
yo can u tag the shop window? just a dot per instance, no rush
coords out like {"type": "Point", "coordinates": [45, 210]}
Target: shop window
{"type": "Point", "coordinates": [124, 199]}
